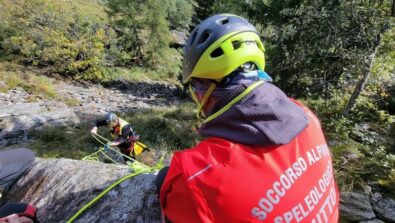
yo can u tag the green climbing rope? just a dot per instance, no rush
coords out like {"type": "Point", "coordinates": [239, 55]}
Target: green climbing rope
{"type": "Point", "coordinates": [136, 165]}
{"type": "Point", "coordinates": [139, 169]}
{"type": "Point", "coordinates": [108, 189]}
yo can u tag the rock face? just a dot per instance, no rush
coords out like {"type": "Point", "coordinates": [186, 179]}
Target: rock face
{"type": "Point", "coordinates": [17, 119]}
{"type": "Point", "coordinates": [372, 221]}
{"type": "Point", "coordinates": [75, 103]}
{"type": "Point", "coordinates": [60, 187]}
{"type": "Point", "coordinates": [355, 207]}
{"type": "Point", "coordinates": [384, 207]}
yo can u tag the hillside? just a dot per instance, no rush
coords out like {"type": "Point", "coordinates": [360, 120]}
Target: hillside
{"type": "Point", "coordinates": [62, 115]}
{"type": "Point", "coordinates": [65, 64]}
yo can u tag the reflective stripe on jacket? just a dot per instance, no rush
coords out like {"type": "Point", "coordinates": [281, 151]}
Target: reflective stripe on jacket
{"type": "Point", "coordinates": [117, 130]}
{"type": "Point", "coordinates": [221, 181]}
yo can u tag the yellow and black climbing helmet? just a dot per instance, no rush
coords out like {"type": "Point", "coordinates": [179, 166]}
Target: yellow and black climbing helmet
{"type": "Point", "coordinates": [219, 45]}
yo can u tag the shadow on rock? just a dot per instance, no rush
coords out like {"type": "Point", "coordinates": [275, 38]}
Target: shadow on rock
{"type": "Point", "coordinates": [148, 89]}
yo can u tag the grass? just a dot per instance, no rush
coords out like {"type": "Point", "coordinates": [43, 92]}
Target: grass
{"type": "Point", "coordinates": [135, 74]}
{"type": "Point", "coordinates": [160, 129]}
{"type": "Point", "coordinates": [71, 102]}
{"type": "Point", "coordinates": [39, 86]}
{"type": "Point", "coordinates": [348, 163]}
{"type": "Point", "coordinates": [68, 142]}
{"type": "Point", "coordinates": [12, 76]}
{"type": "Point", "coordinates": [166, 129]}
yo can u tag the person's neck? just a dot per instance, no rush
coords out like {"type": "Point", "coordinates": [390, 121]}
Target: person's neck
{"type": "Point", "coordinates": [221, 101]}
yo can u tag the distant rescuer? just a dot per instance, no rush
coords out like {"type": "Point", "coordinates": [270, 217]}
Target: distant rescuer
{"type": "Point", "coordinates": [122, 133]}
{"type": "Point", "coordinates": [264, 157]}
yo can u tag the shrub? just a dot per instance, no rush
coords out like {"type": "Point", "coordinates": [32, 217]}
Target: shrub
{"type": "Point", "coordinates": [55, 34]}
{"type": "Point", "coordinates": [13, 76]}
{"type": "Point", "coordinates": [361, 142]}
{"type": "Point", "coordinates": [143, 35]}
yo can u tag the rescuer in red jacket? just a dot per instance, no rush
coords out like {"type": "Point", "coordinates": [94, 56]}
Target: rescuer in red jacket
{"type": "Point", "coordinates": [264, 157]}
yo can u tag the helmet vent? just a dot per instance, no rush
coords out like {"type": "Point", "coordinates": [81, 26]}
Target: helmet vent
{"type": "Point", "coordinates": [204, 37]}
{"type": "Point", "coordinates": [217, 52]}
{"type": "Point", "coordinates": [236, 44]}
{"type": "Point", "coordinates": [193, 37]}
{"type": "Point", "coordinates": [223, 21]}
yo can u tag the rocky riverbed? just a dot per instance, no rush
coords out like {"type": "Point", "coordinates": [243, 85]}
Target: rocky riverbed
{"type": "Point", "coordinates": [20, 111]}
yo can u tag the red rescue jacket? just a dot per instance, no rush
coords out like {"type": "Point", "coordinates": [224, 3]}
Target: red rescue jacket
{"type": "Point", "coordinates": [221, 181]}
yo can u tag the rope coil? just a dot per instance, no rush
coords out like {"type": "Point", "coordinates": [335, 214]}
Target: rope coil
{"type": "Point", "coordinates": [138, 170]}
{"type": "Point", "coordinates": [104, 142]}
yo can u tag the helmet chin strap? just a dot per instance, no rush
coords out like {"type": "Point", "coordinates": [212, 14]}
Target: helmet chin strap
{"type": "Point", "coordinates": [207, 94]}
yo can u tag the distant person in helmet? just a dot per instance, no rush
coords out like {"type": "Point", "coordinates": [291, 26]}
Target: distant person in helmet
{"type": "Point", "coordinates": [264, 157]}
{"type": "Point", "coordinates": [122, 133]}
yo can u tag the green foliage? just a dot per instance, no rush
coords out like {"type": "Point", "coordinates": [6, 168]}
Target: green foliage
{"type": "Point", "coordinates": [133, 74]}
{"type": "Point", "coordinates": [12, 76]}
{"type": "Point", "coordinates": [349, 168]}
{"type": "Point", "coordinates": [67, 37]}
{"type": "Point", "coordinates": [165, 129]}
{"type": "Point", "coordinates": [168, 128]}
{"type": "Point", "coordinates": [143, 34]}
{"type": "Point", "coordinates": [318, 49]}
{"type": "Point", "coordinates": [361, 143]}
{"type": "Point", "coordinates": [207, 8]}
{"type": "Point", "coordinates": [384, 66]}
{"type": "Point", "coordinates": [78, 39]}
{"type": "Point", "coordinates": [320, 43]}
{"type": "Point", "coordinates": [179, 13]}
{"type": "Point", "coordinates": [67, 142]}
{"type": "Point", "coordinates": [312, 46]}
{"type": "Point", "coordinates": [204, 9]}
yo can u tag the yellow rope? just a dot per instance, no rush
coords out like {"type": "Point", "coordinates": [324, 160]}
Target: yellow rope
{"type": "Point", "coordinates": [158, 166]}
{"type": "Point", "coordinates": [97, 136]}
{"type": "Point", "coordinates": [93, 156]}
{"type": "Point", "coordinates": [145, 169]}
{"type": "Point", "coordinates": [94, 200]}
{"type": "Point", "coordinates": [108, 157]}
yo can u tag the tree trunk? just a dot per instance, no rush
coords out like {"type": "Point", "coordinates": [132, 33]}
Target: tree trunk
{"type": "Point", "coordinates": [361, 83]}
{"type": "Point", "coordinates": [393, 8]}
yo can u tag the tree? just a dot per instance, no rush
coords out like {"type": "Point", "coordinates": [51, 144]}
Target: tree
{"type": "Point", "coordinates": [207, 8]}
{"type": "Point", "coordinates": [361, 83]}
{"type": "Point", "coordinates": [313, 45]}
{"type": "Point", "coordinates": [143, 34]}
{"type": "Point", "coordinates": [179, 13]}
{"type": "Point", "coordinates": [203, 9]}
{"type": "Point", "coordinates": [127, 20]}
